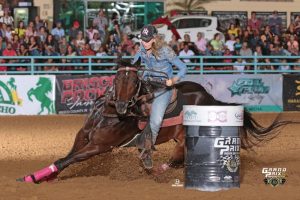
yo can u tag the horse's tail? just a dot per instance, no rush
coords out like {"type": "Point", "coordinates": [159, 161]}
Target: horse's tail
{"type": "Point", "coordinates": [252, 133]}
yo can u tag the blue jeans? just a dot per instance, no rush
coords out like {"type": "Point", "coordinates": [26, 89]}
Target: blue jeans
{"type": "Point", "coordinates": [158, 109]}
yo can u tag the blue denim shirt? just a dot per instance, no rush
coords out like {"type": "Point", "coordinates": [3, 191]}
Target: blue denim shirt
{"type": "Point", "coordinates": [167, 58]}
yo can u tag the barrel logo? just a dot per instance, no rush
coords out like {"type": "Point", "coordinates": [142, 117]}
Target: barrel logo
{"type": "Point", "coordinates": [191, 115]}
{"type": "Point", "coordinates": [239, 116]}
{"type": "Point", "coordinates": [217, 116]}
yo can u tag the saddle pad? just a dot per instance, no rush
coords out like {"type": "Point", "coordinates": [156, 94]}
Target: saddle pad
{"type": "Point", "coordinates": [170, 119]}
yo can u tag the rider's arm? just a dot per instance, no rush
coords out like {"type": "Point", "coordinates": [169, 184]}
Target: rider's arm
{"type": "Point", "coordinates": [172, 57]}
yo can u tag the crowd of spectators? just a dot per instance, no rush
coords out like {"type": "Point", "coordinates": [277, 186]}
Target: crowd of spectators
{"type": "Point", "coordinates": [108, 37]}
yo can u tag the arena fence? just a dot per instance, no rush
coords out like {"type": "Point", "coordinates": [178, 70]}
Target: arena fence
{"type": "Point", "coordinates": [89, 65]}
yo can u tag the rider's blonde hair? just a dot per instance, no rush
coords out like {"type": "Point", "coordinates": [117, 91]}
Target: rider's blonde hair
{"type": "Point", "coordinates": [157, 45]}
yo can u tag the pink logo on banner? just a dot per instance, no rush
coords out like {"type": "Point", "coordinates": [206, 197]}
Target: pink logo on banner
{"type": "Point", "coordinates": [217, 116]}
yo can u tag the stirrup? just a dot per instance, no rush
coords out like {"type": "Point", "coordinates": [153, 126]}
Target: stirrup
{"type": "Point", "coordinates": [145, 157]}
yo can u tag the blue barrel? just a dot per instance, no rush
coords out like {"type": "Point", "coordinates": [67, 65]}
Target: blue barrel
{"type": "Point", "coordinates": [212, 160]}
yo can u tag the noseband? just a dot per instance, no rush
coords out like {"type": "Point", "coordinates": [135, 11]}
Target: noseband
{"type": "Point", "coordinates": [133, 100]}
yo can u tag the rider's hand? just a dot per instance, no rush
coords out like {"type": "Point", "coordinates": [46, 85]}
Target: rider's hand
{"type": "Point", "coordinates": [172, 81]}
{"type": "Point", "coordinates": [169, 82]}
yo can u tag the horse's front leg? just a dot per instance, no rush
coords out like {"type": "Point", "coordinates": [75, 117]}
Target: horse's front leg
{"type": "Point", "coordinates": [177, 158]}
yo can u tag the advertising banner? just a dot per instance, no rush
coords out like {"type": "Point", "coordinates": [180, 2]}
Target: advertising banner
{"type": "Point", "coordinates": [27, 95]}
{"type": "Point", "coordinates": [76, 94]}
{"type": "Point", "coordinates": [258, 93]}
{"type": "Point", "coordinates": [291, 93]}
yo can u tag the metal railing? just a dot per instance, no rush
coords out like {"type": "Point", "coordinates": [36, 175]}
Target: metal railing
{"type": "Point", "coordinates": [106, 64]}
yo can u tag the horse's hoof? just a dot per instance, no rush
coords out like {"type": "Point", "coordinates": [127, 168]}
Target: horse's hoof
{"type": "Point", "coordinates": [161, 169]}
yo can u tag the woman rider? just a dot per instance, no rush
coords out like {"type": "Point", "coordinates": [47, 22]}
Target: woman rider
{"type": "Point", "coordinates": [158, 56]}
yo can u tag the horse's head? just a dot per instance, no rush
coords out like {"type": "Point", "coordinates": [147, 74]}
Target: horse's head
{"type": "Point", "coordinates": [127, 86]}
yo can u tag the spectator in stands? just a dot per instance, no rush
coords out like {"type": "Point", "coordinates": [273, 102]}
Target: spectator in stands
{"type": "Point", "coordinates": [264, 45]}
{"type": "Point", "coordinates": [293, 46]}
{"type": "Point", "coordinates": [33, 47]}
{"type": "Point", "coordinates": [8, 33]}
{"type": "Point", "coordinates": [239, 65]}
{"type": "Point", "coordinates": [291, 30]}
{"type": "Point", "coordinates": [3, 31]}
{"type": "Point", "coordinates": [112, 45]}
{"type": "Point", "coordinates": [23, 51]}
{"type": "Point", "coordinates": [101, 52]}
{"type": "Point", "coordinates": [73, 32]}
{"type": "Point", "coordinates": [268, 34]}
{"type": "Point", "coordinates": [114, 27]}
{"type": "Point", "coordinates": [245, 50]}
{"type": "Point", "coordinates": [227, 52]}
{"type": "Point", "coordinates": [38, 22]}
{"type": "Point", "coordinates": [90, 32]}
{"type": "Point", "coordinates": [254, 23]}
{"type": "Point", "coordinates": [217, 44]}
{"type": "Point", "coordinates": [230, 43]}
{"type": "Point", "coordinates": [186, 52]}
{"type": "Point", "coordinates": [201, 43]}
{"type": "Point", "coordinates": [20, 30]}
{"type": "Point", "coordinates": [254, 40]}
{"type": "Point", "coordinates": [126, 28]}
{"type": "Point", "coordinates": [95, 43]}
{"type": "Point", "coordinates": [297, 25]}
{"type": "Point", "coordinates": [50, 45]}
{"type": "Point", "coordinates": [80, 41]}
{"type": "Point", "coordinates": [87, 51]}
{"type": "Point", "coordinates": [63, 45]}
{"type": "Point", "coordinates": [232, 30]}
{"type": "Point", "coordinates": [42, 34]}
{"type": "Point", "coordinates": [101, 23]}
{"type": "Point", "coordinates": [30, 30]}
{"type": "Point", "coordinates": [9, 51]}
{"type": "Point", "coordinates": [275, 23]}
{"type": "Point", "coordinates": [2, 45]}
{"type": "Point", "coordinates": [16, 42]}
{"type": "Point", "coordinates": [277, 40]}
{"type": "Point", "coordinates": [174, 44]}
{"type": "Point", "coordinates": [187, 40]}
{"type": "Point", "coordinates": [7, 19]}
{"type": "Point", "coordinates": [58, 32]}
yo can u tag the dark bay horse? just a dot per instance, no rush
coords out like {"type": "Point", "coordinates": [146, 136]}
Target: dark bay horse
{"type": "Point", "coordinates": [113, 123]}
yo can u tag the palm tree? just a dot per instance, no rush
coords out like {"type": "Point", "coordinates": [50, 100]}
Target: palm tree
{"type": "Point", "coordinates": [188, 5]}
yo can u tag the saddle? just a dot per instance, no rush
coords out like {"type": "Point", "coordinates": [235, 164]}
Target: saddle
{"type": "Point", "coordinates": [173, 115]}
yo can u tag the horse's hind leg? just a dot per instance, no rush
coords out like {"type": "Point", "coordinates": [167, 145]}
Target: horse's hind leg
{"type": "Point", "coordinates": [83, 154]}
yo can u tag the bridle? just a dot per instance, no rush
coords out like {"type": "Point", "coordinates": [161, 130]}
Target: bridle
{"type": "Point", "coordinates": [134, 99]}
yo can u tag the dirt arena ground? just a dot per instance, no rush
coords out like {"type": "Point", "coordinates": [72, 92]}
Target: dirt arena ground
{"type": "Point", "coordinates": [30, 143]}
